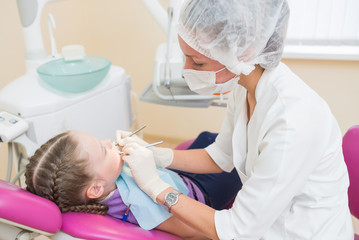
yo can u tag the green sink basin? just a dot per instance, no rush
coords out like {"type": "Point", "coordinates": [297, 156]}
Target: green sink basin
{"type": "Point", "coordinates": [75, 76]}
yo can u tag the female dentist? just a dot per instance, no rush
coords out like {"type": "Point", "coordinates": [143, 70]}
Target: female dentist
{"type": "Point", "coordinates": [278, 133]}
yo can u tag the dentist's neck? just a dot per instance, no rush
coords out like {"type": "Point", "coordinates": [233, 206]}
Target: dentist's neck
{"type": "Point", "coordinates": [250, 83]}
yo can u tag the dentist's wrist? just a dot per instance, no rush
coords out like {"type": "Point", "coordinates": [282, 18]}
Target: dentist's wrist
{"type": "Point", "coordinates": [155, 187]}
{"type": "Point", "coordinates": [161, 196]}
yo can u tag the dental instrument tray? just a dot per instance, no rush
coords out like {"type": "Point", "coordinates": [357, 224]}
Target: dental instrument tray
{"type": "Point", "coordinates": [75, 76]}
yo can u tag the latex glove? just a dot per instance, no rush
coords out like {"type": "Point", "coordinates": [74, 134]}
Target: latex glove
{"type": "Point", "coordinates": [122, 138]}
{"type": "Point", "coordinates": [163, 156]}
{"type": "Point", "coordinates": [143, 169]}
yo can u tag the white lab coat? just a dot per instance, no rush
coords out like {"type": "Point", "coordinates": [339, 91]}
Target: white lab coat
{"type": "Point", "coordinates": [289, 158]}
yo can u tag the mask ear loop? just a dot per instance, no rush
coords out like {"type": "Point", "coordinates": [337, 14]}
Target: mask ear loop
{"type": "Point", "coordinates": [220, 70]}
{"type": "Point", "coordinates": [237, 76]}
{"type": "Point", "coordinates": [221, 94]}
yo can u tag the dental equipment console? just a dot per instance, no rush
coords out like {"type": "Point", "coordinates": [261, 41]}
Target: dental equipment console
{"type": "Point", "coordinates": [55, 95]}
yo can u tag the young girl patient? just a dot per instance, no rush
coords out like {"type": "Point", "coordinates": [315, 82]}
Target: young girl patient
{"type": "Point", "coordinates": [79, 173]}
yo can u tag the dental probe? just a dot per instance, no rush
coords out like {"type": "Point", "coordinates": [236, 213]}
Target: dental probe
{"type": "Point", "coordinates": [147, 146]}
{"type": "Point", "coordinates": [132, 133]}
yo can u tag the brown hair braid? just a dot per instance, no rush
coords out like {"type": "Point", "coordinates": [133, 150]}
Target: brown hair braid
{"type": "Point", "coordinates": [55, 172]}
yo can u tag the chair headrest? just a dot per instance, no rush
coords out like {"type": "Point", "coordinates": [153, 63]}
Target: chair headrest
{"type": "Point", "coordinates": [37, 213]}
{"type": "Point", "coordinates": [22, 207]}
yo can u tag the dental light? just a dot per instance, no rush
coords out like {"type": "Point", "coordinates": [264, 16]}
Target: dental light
{"type": "Point", "coordinates": [168, 86]}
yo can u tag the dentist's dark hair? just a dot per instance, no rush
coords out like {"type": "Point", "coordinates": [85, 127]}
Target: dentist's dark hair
{"type": "Point", "coordinates": [56, 173]}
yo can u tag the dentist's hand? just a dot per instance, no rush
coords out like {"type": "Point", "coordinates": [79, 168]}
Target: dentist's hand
{"type": "Point", "coordinates": [122, 138]}
{"type": "Point", "coordinates": [143, 169]}
{"type": "Point", "coordinates": [163, 156]}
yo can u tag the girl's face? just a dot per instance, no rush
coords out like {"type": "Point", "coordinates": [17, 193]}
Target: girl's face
{"type": "Point", "coordinates": [104, 158]}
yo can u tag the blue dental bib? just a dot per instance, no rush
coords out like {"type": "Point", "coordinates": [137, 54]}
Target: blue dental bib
{"type": "Point", "coordinates": [147, 213]}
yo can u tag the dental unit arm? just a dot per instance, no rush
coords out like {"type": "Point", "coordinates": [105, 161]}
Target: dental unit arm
{"type": "Point", "coordinates": [30, 16]}
{"type": "Point", "coordinates": [168, 86]}
{"type": "Point", "coordinates": [12, 130]}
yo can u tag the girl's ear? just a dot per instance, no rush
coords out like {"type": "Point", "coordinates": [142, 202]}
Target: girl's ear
{"type": "Point", "coordinates": [95, 190]}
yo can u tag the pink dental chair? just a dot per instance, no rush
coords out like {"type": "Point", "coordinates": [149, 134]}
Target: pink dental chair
{"type": "Point", "coordinates": [24, 215]}
{"type": "Point", "coordinates": [351, 156]}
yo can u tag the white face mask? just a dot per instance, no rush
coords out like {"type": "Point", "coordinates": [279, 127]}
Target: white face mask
{"type": "Point", "coordinates": [204, 82]}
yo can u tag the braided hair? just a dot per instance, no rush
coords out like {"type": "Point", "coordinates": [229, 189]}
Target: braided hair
{"type": "Point", "coordinates": [56, 173]}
